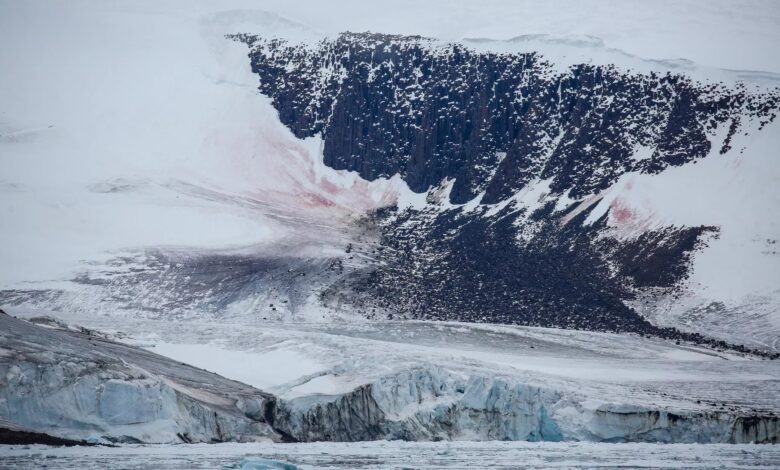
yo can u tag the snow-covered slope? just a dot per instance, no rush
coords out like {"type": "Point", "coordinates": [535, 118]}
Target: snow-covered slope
{"type": "Point", "coordinates": [127, 128]}
{"type": "Point", "coordinates": [153, 157]}
{"type": "Point", "coordinates": [574, 195]}
{"type": "Point", "coordinates": [154, 138]}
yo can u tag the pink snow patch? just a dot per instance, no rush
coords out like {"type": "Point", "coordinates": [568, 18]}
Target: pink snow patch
{"type": "Point", "coordinates": [621, 214]}
{"type": "Point", "coordinates": [329, 187]}
{"type": "Point", "coordinates": [630, 221]}
{"type": "Point", "coordinates": [317, 200]}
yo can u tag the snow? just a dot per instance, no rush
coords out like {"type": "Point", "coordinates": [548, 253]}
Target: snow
{"type": "Point", "coordinates": [264, 370]}
{"type": "Point", "coordinates": [328, 384]}
{"type": "Point", "coordinates": [155, 136]}
{"type": "Point", "coordinates": [158, 94]}
{"type": "Point", "coordinates": [87, 224]}
{"type": "Point", "coordinates": [717, 33]}
{"type": "Point", "coordinates": [739, 268]}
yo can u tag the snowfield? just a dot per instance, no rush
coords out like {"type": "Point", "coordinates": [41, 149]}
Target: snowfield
{"type": "Point", "coordinates": [153, 137]}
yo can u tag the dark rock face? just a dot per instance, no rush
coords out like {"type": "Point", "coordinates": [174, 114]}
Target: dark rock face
{"type": "Point", "coordinates": [497, 123]}
{"type": "Point", "coordinates": [20, 437]}
{"type": "Point", "coordinates": [658, 258]}
{"type": "Point", "coordinates": [456, 265]}
{"type": "Point", "coordinates": [494, 122]}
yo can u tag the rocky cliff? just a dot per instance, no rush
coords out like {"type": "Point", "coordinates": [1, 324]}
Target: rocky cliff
{"type": "Point", "coordinates": [513, 155]}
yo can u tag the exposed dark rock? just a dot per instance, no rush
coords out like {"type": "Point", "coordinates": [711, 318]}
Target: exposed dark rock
{"type": "Point", "coordinates": [447, 265]}
{"type": "Point", "coordinates": [21, 437]}
{"type": "Point", "coordinates": [658, 258]}
{"type": "Point", "coordinates": [492, 121]}
{"type": "Point", "coordinates": [495, 123]}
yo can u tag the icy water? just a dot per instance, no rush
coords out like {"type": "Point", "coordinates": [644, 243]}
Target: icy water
{"type": "Point", "coordinates": [394, 455]}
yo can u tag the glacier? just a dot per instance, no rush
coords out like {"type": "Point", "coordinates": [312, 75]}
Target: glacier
{"type": "Point", "coordinates": [433, 405]}
{"type": "Point", "coordinates": [91, 387]}
{"type": "Point", "coordinates": [78, 385]}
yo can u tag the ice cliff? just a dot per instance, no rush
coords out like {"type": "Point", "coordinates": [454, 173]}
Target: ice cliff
{"type": "Point", "coordinates": [436, 404]}
{"type": "Point", "coordinates": [78, 384]}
